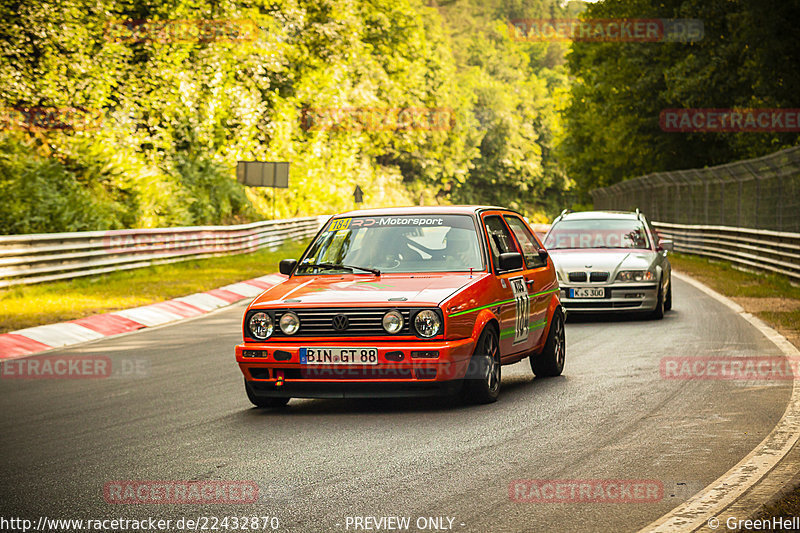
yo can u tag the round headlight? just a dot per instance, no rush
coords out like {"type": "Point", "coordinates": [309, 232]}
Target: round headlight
{"type": "Point", "coordinates": [261, 325]}
{"type": "Point", "coordinates": [290, 323]}
{"type": "Point", "coordinates": [427, 323]}
{"type": "Point", "coordinates": [392, 322]}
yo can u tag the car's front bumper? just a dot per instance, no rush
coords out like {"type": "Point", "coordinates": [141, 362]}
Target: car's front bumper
{"type": "Point", "coordinates": [286, 376]}
{"type": "Point", "coordinates": [619, 297]}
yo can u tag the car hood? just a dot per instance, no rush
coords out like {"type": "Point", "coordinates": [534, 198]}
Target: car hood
{"type": "Point", "coordinates": [428, 289]}
{"type": "Point", "coordinates": [599, 260]}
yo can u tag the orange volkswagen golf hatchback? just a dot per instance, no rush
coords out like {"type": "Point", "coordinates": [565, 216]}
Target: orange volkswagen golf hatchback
{"type": "Point", "coordinates": [405, 302]}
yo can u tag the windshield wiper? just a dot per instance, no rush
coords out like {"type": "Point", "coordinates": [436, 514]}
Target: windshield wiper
{"type": "Point", "coordinates": [349, 267]}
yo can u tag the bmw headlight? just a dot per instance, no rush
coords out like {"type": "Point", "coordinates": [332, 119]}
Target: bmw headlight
{"type": "Point", "coordinates": [427, 323]}
{"type": "Point", "coordinates": [260, 325]}
{"type": "Point", "coordinates": [635, 275]}
{"type": "Point", "coordinates": [392, 322]}
{"type": "Point", "coordinates": [289, 323]}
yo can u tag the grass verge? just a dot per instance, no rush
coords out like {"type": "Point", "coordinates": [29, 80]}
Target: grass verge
{"type": "Point", "coordinates": [787, 507]}
{"type": "Point", "coordinates": [46, 303]}
{"type": "Point", "coordinates": [771, 297]}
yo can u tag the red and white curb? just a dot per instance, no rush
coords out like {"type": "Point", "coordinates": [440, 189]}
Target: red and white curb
{"type": "Point", "coordinates": [41, 338]}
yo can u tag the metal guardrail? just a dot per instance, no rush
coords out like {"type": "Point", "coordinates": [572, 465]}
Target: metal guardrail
{"type": "Point", "coordinates": [39, 257]}
{"type": "Point", "coordinates": [773, 251]}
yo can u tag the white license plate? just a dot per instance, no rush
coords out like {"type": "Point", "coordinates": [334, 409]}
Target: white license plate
{"type": "Point", "coordinates": [339, 356]}
{"type": "Point", "coordinates": [588, 292]}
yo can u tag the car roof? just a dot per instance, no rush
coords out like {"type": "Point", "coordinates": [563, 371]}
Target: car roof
{"type": "Point", "coordinates": [586, 215]}
{"type": "Point", "coordinates": [422, 210]}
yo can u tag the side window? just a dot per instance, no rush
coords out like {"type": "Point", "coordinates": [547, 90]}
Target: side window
{"type": "Point", "coordinates": [500, 240]}
{"type": "Point", "coordinates": [530, 246]}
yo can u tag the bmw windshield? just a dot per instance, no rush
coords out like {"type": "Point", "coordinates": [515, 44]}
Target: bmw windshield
{"type": "Point", "coordinates": [404, 244]}
{"type": "Point", "coordinates": [597, 233]}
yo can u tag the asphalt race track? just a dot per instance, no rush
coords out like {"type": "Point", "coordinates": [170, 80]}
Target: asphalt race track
{"type": "Point", "coordinates": [317, 462]}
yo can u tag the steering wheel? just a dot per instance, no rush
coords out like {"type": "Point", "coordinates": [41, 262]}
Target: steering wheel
{"type": "Point", "coordinates": [435, 254]}
{"type": "Point", "coordinates": [391, 260]}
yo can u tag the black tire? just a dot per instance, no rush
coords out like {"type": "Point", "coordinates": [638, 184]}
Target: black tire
{"type": "Point", "coordinates": [550, 362]}
{"type": "Point", "coordinates": [668, 300]}
{"type": "Point", "coordinates": [658, 312]}
{"type": "Point", "coordinates": [264, 402]}
{"type": "Point", "coordinates": [482, 382]}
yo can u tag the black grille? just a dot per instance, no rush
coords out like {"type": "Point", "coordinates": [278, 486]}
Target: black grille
{"type": "Point", "coordinates": [360, 322]}
{"type": "Point", "coordinates": [597, 305]}
{"type": "Point", "coordinates": [598, 276]}
{"type": "Point", "coordinates": [577, 276]}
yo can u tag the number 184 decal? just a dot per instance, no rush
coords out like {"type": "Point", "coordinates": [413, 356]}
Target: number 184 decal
{"type": "Point", "coordinates": [523, 309]}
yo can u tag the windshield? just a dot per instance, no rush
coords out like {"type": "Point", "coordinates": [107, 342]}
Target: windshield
{"type": "Point", "coordinates": [414, 243]}
{"type": "Point", "coordinates": [597, 233]}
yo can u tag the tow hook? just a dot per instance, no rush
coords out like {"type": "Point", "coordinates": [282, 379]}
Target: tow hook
{"type": "Point", "coordinates": [279, 376]}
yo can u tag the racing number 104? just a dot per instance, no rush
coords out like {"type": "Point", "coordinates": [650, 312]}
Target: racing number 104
{"type": "Point", "coordinates": [523, 309]}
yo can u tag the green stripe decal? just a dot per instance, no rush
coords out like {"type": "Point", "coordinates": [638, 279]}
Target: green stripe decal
{"type": "Point", "coordinates": [534, 325]}
{"type": "Point", "coordinates": [484, 307]}
{"type": "Point", "coordinates": [503, 302]}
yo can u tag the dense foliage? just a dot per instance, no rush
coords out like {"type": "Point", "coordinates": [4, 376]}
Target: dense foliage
{"type": "Point", "coordinates": [175, 116]}
{"type": "Point", "coordinates": [747, 58]}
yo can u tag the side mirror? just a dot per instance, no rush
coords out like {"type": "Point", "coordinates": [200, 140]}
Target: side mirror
{"type": "Point", "coordinates": [543, 254]}
{"type": "Point", "coordinates": [286, 266]}
{"type": "Point", "coordinates": [666, 244]}
{"type": "Point", "coordinates": [510, 261]}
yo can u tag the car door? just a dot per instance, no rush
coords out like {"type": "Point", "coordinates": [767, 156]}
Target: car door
{"type": "Point", "coordinates": [514, 306]}
{"type": "Point", "coordinates": [537, 278]}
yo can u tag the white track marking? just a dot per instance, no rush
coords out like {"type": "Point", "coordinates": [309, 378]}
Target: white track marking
{"type": "Point", "coordinates": [243, 289]}
{"type": "Point", "coordinates": [149, 315]}
{"type": "Point", "coordinates": [57, 335]}
{"type": "Point", "coordinates": [709, 502]}
{"type": "Point", "coordinates": [203, 301]}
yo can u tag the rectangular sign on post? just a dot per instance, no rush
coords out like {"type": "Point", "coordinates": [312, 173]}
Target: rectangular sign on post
{"type": "Point", "coordinates": [263, 174]}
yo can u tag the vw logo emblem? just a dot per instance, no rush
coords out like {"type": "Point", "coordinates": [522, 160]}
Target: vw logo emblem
{"type": "Point", "coordinates": [340, 322]}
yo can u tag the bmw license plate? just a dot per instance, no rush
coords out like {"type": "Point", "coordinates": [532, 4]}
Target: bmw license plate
{"type": "Point", "coordinates": [338, 356]}
{"type": "Point", "coordinates": [588, 292]}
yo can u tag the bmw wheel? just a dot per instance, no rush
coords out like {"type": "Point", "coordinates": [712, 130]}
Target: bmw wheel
{"type": "Point", "coordinates": [658, 312]}
{"type": "Point", "coordinates": [668, 301]}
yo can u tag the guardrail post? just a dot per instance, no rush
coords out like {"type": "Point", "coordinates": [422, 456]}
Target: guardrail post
{"type": "Point", "coordinates": [780, 203]}
{"type": "Point", "coordinates": [739, 204]}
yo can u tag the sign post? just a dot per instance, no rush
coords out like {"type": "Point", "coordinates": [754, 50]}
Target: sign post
{"type": "Point", "coordinates": [264, 174]}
